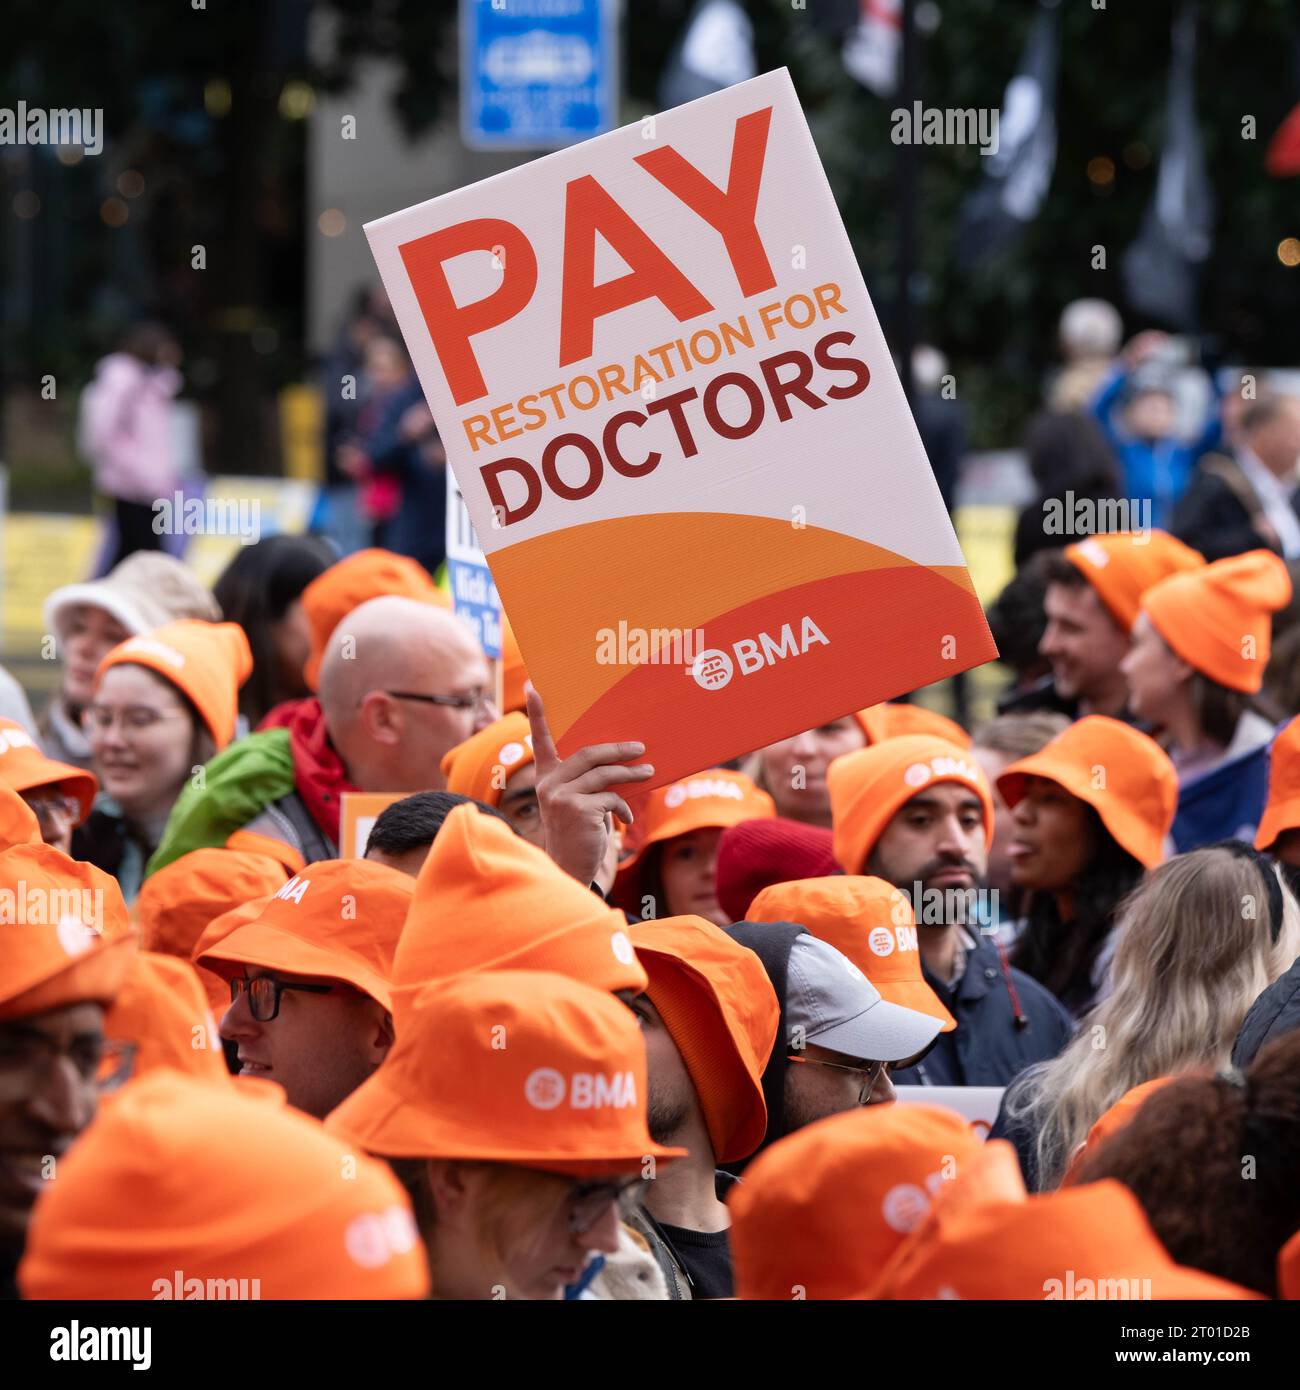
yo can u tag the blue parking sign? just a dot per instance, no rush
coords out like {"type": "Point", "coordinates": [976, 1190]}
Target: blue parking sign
{"type": "Point", "coordinates": [537, 74]}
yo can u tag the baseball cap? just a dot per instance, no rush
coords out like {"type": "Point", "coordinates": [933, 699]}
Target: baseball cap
{"type": "Point", "coordinates": [831, 1003]}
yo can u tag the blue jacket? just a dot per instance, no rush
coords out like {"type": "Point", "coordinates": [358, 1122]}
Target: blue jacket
{"type": "Point", "coordinates": [987, 1048]}
{"type": "Point", "coordinates": [1159, 469]}
{"type": "Point", "coordinates": [1224, 804]}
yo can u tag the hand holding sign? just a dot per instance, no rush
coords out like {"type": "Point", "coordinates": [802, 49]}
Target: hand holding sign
{"type": "Point", "coordinates": [575, 796]}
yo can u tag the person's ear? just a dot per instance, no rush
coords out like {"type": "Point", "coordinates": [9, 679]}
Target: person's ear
{"type": "Point", "coordinates": [380, 718]}
{"type": "Point", "coordinates": [447, 1184]}
{"type": "Point", "coordinates": [382, 1038]}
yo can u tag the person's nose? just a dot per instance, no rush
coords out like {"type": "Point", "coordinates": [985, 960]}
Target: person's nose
{"type": "Point", "coordinates": [238, 1021]}
{"type": "Point", "coordinates": [602, 1235]}
{"type": "Point", "coordinates": [485, 713]}
{"type": "Point", "coordinates": [1023, 811]}
{"type": "Point", "coordinates": [64, 1102]}
{"type": "Point", "coordinates": [1048, 643]}
{"type": "Point", "coordinates": [882, 1092]}
{"type": "Point", "coordinates": [804, 746]}
{"type": "Point", "coordinates": [954, 838]}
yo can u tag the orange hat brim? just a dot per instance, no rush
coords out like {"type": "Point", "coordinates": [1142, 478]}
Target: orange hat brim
{"type": "Point", "coordinates": [257, 943]}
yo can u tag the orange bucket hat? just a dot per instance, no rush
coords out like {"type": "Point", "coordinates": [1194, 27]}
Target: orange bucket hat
{"type": "Point", "coordinates": [869, 921]}
{"type": "Point", "coordinates": [870, 786]}
{"type": "Point", "coordinates": [513, 675]}
{"type": "Point", "coordinates": [338, 920]}
{"type": "Point", "coordinates": [207, 662]}
{"type": "Point", "coordinates": [65, 936]}
{"type": "Point", "coordinates": [1138, 792]}
{"type": "Point", "coordinates": [164, 1012]}
{"type": "Point", "coordinates": [231, 1193]}
{"type": "Point", "coordinates": [179, 901]}
{"type": "Point", "coordinates": [24, 768]}
{"type": "Point", "coordinates": [879, 722]}
{"type": "Point", "coordinates": [821, 1211]}
{"type": "Point", "coordinates": [1218, 618]}
{"type": "Point", "coordinates": [713, 798]}
{"type": "Point", "coordinates": [18, 823]}
{"type": "Point", "coordinates": [481, 766]}
{"type": "Point", "coordinates": [1081, 1243]}
{"type": "Point", "coordinates": [1282, 810]}
{"type": "Point", "coordinates": [1122, 566]}
{"type": "Point", "coordinates": [533, 1068]}
{"type": "Point", "coordinates": [722, 1014]}
{"type": "Point", "coordinates": [354, 580]}
{"type": "Point", "coordinates": [1118, 1117]}
{"type": "Point", "coordinates": [487, 900]}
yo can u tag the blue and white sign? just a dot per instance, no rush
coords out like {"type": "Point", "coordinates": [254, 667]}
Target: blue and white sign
{"type": "Point", "coordinates": [537, 74]}
{"type": "Point", "coordinates": [473, 590]}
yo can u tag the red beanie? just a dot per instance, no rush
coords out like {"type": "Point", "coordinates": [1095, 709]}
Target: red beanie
{"type": "Point", "coordinates": [753, 854]}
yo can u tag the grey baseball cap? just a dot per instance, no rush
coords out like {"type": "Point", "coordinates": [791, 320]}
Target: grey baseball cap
{"type": "Point", "coordinates": [836, 1006]}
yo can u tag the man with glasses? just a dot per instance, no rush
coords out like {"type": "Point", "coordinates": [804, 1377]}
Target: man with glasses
{"type": "Point", "coordinates": [59, 794]}
{"type": "Point", "coordinates": [400, 683]}
{"type": "Point", "coordinates": [65, 949]}
{"type": "Point", "coordinates": [838, 1037]}
{"type": "Point", "coordinates": [310, 980]}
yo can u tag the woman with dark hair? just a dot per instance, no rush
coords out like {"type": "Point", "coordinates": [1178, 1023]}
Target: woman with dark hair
{"type": "Point", "coordinates": [260, 589]}
{"type": "Point", "coordinates": [1066, 452]}
{"type": "Point", "coordinates": [1091, 812]}
{"type": "Point", "coordinates": [124, 431]}
{"type": "Point", "coordinates": [1213, 1160]}
{"type": "Point", "coordinates": [1195, 671]}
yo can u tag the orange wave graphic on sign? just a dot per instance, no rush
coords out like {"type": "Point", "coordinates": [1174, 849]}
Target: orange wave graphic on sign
{"type": "Point", "coordinates": [888, 622]}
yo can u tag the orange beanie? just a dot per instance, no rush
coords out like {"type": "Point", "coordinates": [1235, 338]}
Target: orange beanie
{"type": "Point", "coordinates": [869, 921]}
{"type": "Point", "coordinates": [163, 1012]}
{"type": "Point", "coordinates": [879, 722]}
{"type": "Point", "coordinates": [66, 939]}
{"type": "Point", "coordinates": [717, 797]}
{"type": "Point", "coordinates": [821, 1211]}
{"type": "Point", "coordinates": [1282, 810]}
{"type": "Point", "coordinates": [1122, 774]}
{"type": "Point", "coordinates": [532, 1068]}
{"type": "Point", "coordinates": [721, 1012]}
{"type": "Point", "coordinates": [869, 787]}
{"type": "Point", "coordinates": [207, 662]}
{"type": "Point", "coordinates": [1122, 566]}
{"type": "Point", "coordinates": [24, 768]}
{"type": "Point", "coordinates": [1219, 618]}
{"type": "Point", "coordinates": [487, 900]}
{"type": "Point", "coordinates": [213, 1184]}
{"type": "Point", "coordinates": [481, 766]}
{"type": "Point", "coordinates": [354, 580]}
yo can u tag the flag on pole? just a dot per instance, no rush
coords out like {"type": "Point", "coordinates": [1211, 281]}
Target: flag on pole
{"type": "Point", "coordinates": [1160, 269]}
{"type": "Point", "coordinates": [1018, 174]}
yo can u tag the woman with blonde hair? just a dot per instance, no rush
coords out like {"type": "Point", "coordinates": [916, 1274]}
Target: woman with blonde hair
{"type": "Point", "coordinates": [1199, 939]}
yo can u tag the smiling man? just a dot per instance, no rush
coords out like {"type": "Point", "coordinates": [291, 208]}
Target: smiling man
{"type": "Point", "coordinates": [917, 812]}
{"type": "Point", "coordinates": [310, 980]}
{"type": "Point", "coordinates": [57, 976]}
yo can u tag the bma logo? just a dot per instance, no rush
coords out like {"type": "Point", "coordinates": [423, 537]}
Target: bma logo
{"type": "Point", "coordinates": [714, 669]}
{"type": "Point", "coordinates": [544, 1089]}
{"type": "Point", "coordinates": [881, 941]}
{"type": "Point", "coordinates": [956, 769]}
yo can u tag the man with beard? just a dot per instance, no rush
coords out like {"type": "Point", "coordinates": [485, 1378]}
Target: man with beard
{"type": "Point", "coordinates": [709, 1018]}
{"type": "Point", "coordinates": [917, 812]}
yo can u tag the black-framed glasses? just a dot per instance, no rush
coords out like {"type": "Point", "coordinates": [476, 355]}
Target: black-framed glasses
{"type": "Point", "coordinates": [588, 1201]}
{"type": "Point", "coordinates": [473, 700]}
{"type": "Point", "coordinates": [871, 1073]}
{"type": "Point", "coordinates": [264, 994]}
{"type": "Point", "coordinates": [116, 1064]}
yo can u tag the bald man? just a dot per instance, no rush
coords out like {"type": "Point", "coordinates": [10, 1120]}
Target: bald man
{"type": "Point", "coordinates": [400, 683]}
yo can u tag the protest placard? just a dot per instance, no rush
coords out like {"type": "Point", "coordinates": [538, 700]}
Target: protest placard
{"type": "Point", "coordinates": [358, 812]}
{"type": "Point", "coordinates": [679, 434]}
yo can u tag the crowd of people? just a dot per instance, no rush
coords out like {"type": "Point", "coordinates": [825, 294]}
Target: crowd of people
{"type": "Point", "coordinates": [555, 1036]}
